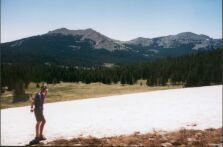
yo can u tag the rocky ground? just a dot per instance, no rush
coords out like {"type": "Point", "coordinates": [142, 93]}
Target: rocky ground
{"type": "Point", "coordinates": [182, 137]}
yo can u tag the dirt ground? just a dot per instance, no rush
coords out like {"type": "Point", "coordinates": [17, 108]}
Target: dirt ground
{"type": "Point", "coordinates": [182, 137]}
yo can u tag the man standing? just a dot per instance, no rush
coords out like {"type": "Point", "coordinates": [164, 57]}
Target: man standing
{"type": "Point", "coordinates": [38, 101]}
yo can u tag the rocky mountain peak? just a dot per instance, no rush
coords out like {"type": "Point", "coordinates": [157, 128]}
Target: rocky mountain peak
{"type": "Point", "coordinates": [101, 41]}
{"type": "Point", "coordinates": [190, 35]}
{"type": "Point", "coordinates": [60, 31]}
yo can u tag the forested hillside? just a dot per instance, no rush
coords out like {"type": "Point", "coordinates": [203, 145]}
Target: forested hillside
{"type": "Point", "coordinates": [198, 69]}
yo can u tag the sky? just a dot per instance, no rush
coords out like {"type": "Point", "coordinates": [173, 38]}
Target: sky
{"type": "Point", "coordinates": [118, 19]}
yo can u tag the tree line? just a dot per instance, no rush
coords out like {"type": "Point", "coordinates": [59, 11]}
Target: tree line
{"type": "Point", "coordinates": [197, 69]}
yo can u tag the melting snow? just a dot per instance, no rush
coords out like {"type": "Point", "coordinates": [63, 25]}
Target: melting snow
{"type": "Point", "coordinates": [197, 108]}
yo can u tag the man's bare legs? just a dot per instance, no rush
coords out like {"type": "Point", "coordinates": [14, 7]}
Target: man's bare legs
{"type": "Point", "coordinates": [41, 127]}
{"type": "Point", "coordinates": [38, 128]}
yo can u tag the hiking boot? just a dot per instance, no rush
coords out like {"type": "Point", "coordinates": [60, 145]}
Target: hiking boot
{"type": "Point", "coordinates": [36, 139]}
{"type": "Point", "coordinates": [42, 137]}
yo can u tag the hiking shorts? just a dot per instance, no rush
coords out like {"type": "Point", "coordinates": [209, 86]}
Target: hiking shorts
{"type": "Point", "coordinates": [39, 115]}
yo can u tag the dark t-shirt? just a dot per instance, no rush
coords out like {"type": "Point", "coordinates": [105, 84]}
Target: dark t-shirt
{"type": "Point", "coordinates": [38, 101]}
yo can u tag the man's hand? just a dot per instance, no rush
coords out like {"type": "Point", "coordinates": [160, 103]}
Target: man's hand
{"type": "Point", "coordinates": [45, 92]}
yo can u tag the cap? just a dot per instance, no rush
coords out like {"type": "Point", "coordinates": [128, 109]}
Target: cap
{"type": "Point", "coordinates": [44, 86]}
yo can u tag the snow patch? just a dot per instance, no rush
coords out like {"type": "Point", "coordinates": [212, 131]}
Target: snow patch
{"type": "Point", "coordinates": [116, 115]}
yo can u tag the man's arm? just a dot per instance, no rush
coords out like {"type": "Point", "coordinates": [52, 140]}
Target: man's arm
{"type": "Point", "coordinates": [46, 92]}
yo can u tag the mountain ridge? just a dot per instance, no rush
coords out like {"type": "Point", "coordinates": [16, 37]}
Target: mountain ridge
{"type": "Point", "coordinates": [103, 42]}
{"type": "Point", "coordinates": [64, 46]}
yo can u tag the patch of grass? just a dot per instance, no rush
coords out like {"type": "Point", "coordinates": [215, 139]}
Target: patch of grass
{"type": "Point", "coordinates": [74, 91]}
